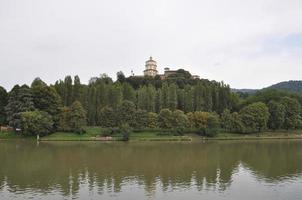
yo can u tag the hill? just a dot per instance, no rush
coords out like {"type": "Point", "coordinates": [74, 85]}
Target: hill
{"type": "Point", "coordinates": [293, 86]}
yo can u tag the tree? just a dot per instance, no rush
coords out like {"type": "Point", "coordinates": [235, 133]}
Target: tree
{"type": "Point", "coordinates": [141, 119]}
{"type": "Point", "coordinates": [165, 119]}
{"type": "Point", "coordinates": [152, 120]}
{"type": "Point", "coordinates": [77, 117]}
{"type": "Point", "coordinates": [179, 121]}
{"type": "Point", "coordinates": [255, 117]}
{"type": "Point", "coordinates": [277, 115]}
{"type": "Point", "coordinates": [46, 99]}
{"type": "Point", "coordinates": [172, 97]}
{"type": "Point", "coordinates": [188, 99]}
{"type": "Point", "coordinates": [126, 113]}
{"type": "Point", "coordinates": [64, 119]}
{"type": "Point", "coordinates": [232, 122]}
{"type": "Point", "coordinates": [120, 77]}
{"type": "Point", "coordinates": [226, 120]}
{"type": "Point", "coordinates": [68, 96]}
{"type": "Point", "coordinates": [128, 92]}
{"type": "Point", "coordinates": [77, 89]}
{"type": "Point", "coordinates": [36, 123]}
{"type": "Point", "coordinates": [19, 100]}
{"type": "Point", "coordinates": [115, 96]}
{"type": "Point", "coordinates": [3, 103]}
{"type": "Point", "coordinates": [107, 117]}
{"type": "Point", "coordinates": [292, 118]}
{"type": "Point", "coordinates": [38, 82]}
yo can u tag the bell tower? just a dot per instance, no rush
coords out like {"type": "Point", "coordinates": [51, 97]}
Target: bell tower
{"type": "Point", "coordinates": [150, 67]}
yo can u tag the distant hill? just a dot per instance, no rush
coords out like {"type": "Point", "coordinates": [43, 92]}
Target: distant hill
{"type": "Point", "coordinates": [246, 91]}
{"type": "Point", "coordinates": [292, 86]}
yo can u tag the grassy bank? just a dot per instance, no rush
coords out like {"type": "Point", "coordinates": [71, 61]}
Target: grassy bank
{"type": "Point", "coordinates": [96, 134]}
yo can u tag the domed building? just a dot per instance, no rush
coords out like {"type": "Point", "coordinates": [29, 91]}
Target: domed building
{"type": "Point", "coordinates": [150, 68]}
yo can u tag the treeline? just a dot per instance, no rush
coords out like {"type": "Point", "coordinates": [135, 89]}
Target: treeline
{"type": "Point", "coordinates": [179, 104]}
{"type": "Point", "coordinates": [148, 94]}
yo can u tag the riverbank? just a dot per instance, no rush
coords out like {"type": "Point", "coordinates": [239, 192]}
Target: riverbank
{"type": "Point", "coordinates": [135, 136]}
{"type": "Point", "coordinates": [97, 134]}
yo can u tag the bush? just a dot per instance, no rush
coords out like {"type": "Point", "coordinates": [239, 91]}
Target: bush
{"type": "Point", "coordinates": [125, 130]}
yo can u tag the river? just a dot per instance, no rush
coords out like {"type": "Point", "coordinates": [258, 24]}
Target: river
{"type": "Point", "coordinates": [228, 170]}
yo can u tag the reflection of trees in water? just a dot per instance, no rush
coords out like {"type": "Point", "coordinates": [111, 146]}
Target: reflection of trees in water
{"type": "Point", "coordinates": [65, 166]}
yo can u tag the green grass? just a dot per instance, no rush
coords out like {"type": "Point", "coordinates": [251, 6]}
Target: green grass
{"type": "Point", "coordinates": [10, 135]}
{"type": "Point", "coordinates": [94, 134]}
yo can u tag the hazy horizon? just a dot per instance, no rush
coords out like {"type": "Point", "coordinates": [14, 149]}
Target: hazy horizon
{"type": "Point", "coordinates": [246, 44]}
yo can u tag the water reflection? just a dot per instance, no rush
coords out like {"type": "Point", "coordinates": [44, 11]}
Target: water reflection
{"type": "Point", "coordinates": [147, 170]}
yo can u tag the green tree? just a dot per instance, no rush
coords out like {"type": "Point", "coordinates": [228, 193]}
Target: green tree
{"type": "Point", "coordinates": [64, 119]}
{"type": "Point", "coordinates": [3, 103]}
{"type": "Point", "coordinates": [255, 117]}
{"type": "Point", "coordinates": [277, 115]}
{"type": "Point", "coordinates": [107, 117]}
{"type": "Point", "coordinates": [292, 118]}
{"type": "Point", "coordinates": [188, 99]}
{"type": "Point", "coordinates": [19, 100]}
{"type": "Point", "coordinates": [179, 121]}
{"type": "Point", "coordinates": [128, 92]}
{"type": "Point", "coordinates": [77, 91]}
{"type": "Point", "coordinates": [47, 99]}
{"type": "Point", "coordinates": [115, 96]}
{"type": "Point", "coordinates": [68, 96]}
{"type": "Point", "coordinates": [141, 119]}
{"type": "Point", "coordinates": [165, 119]}
{"type": "Point", "coordinates": [126, 113]}
{"type": "Point", "coordinates": [172, 97]}
{"type": "Point", "coordinates": [152, 120]}
{"type": "Point", "coordinates": [36, 123]}
{"type": "Point", "coordinates": [77, 117]}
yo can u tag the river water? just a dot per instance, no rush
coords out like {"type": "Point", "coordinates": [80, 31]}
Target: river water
{"type": "Point", "coordinates": [229, 170]}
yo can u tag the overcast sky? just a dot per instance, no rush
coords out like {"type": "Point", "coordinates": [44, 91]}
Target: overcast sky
{"type": "Point", "coordinates": [245, 43]}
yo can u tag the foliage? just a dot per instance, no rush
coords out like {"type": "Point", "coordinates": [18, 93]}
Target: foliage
{"type": "Point", "coordinates": [3, 103]}
{"type": "Point", "coordinates": [152, 120]}
{"type": "Point", "coordinates": [19, 100]}
{"type": "Point", "coordinates": [77, 117]}
{"type": "Point", "coordinates": [165, 119]}
{"type": "Point", "coordinates": [292, 118]}
{"type": "Point", "coordinates": [36, 123]}
{"type": "Point", "coordinates": [179, 122]}
{"type": "Point", "coordinates": [107, 117]}
{"type": "Point", "coordinates": [255, 117]}
{"type": "Point", "coordinates": [125, 130]}
{"type": "Point", "coordinates": [277, 115]}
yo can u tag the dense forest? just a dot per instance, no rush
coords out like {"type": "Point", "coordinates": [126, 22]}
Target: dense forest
{"type": "Point", "coordinates": [178, 103]}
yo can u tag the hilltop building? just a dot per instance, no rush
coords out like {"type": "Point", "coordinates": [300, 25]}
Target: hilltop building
{"type": "Point", "coordinates": [151, 70]}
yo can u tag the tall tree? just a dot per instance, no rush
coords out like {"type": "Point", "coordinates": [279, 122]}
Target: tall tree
{"type": "Point", "coordinates": [19, 100]}
{"type": "Point", "coordinates": [3, 103]}
{"type": "Point", "coordinates": [292, 118]}
{"type": "Point", "coordinates": [68, 96]}
{"type": "Point", "coordinates": [77, 117]}
{"type": "Point", "coordinates": [77, 89]}
{"type": "Point", "coordinates": [277, 115]}
{"type": "Point", "coordinates": [172, 97]}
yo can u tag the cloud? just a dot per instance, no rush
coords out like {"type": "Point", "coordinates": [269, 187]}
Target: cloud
{"type": "Point", "coordinates": [255, 42]}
